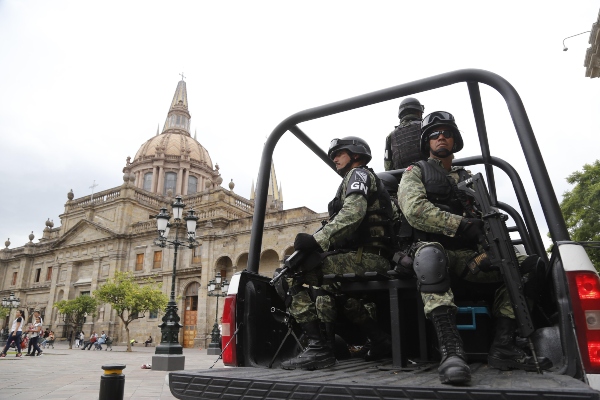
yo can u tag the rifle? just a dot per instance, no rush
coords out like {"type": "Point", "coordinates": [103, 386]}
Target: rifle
{"type": "Point", "coordinates": [301, 260]}
{"type": "Point", "coordinates": [498, 246]}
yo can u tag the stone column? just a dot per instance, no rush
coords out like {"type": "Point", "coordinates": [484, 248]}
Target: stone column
{"type": "Point", "coordinates": [178, 185]}
{"type": "Point", "coordinates": [161, 180]}
{"type": "Point", "coordinates": [184, 189]}
{"type": "Point", "coordinates": [154, 179]}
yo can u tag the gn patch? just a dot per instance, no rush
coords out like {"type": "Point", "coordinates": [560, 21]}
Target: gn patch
{"type": "Point", "coordinates": [359, 182]}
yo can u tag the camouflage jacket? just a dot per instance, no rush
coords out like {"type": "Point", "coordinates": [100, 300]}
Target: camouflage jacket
{"type": "Point", "coordinates": [418, 210]}
{"type": "Point", "coordinates": [348, 219]}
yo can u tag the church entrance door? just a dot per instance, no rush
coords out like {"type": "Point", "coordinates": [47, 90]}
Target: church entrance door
{"type": "Point", "coordinates": [190, 315]}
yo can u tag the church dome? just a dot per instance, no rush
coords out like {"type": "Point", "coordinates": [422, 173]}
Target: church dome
{"type": "Point", "coordinates": [173, 146]}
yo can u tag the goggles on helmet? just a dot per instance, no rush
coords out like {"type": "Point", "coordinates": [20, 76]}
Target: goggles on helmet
{"type": "Point", "coordinates": [340, 142]}
{"type": "Point", "coordinates": [436, 134]}
{"type": "Point", "coordinates": [441, 116]}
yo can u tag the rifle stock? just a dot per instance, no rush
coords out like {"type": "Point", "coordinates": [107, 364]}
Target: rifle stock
{"type": "Point", "coordinates": [498, 245]}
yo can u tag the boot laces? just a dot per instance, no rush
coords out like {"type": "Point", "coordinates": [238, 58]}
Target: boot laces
{"type": "Point", "coordinates": [450, 341]}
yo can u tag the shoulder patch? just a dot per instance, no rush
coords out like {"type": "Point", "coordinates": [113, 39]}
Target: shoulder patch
{"type": "Point", "coordinates": [359, 182]}
{"type": "Point", "coordinates": [408, 168]}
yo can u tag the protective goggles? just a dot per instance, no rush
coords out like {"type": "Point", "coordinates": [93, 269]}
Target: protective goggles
{"type": "Point", "coordinates": [441, 116]}
{"type": "Point", "coordinates": [436, 134]}
{"type": "Point", "coordinates": [339, 142]}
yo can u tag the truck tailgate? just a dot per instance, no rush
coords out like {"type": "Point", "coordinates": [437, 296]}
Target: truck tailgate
{"type": "Point", "coordinates": [357, 379]}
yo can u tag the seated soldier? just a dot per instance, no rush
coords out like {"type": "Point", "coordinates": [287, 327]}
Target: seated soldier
{"type": "Point", "coordinates": [447, 242]}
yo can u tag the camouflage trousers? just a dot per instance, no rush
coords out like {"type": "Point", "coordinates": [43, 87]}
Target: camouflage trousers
{"type": "Point", "coordinates": [457, 262]}
{"type": "Point", "coordinates": [314, 301]}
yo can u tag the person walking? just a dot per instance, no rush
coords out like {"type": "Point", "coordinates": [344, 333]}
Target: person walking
{"type": "Point", "coordinates": [15, 334]}
{"type": "Point", "coordinates": [34, 335]}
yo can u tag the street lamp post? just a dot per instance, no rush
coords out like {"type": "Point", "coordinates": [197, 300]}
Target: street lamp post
{"type": "Point", "coordinates": [9, 302]}
{"type": "Point", "coordinates": [169, 353]}
{"type": "Point", "coordinates": [222, 286]}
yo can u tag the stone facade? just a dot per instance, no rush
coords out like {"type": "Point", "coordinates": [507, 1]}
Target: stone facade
{"type": "Point", "coordinates": [113, 230]}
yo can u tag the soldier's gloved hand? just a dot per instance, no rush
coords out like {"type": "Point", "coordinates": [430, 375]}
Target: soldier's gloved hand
{"type": "Point", "coordinates": [471, 229]}
{"type": "Point", "coordinates": [306, 242]}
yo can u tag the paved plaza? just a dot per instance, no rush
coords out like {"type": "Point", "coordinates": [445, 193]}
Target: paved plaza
{"type": "Point", "coordinates": [61, 373]}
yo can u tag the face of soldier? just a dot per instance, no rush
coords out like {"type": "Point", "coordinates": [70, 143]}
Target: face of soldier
{"type": "Point", "coordinates": [441, 147]}
{"type": "Point", "coordinates": [342, 161]}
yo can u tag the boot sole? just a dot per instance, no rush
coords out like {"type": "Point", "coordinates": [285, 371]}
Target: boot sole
{"type": "Point", "coordinates": [457, 380]}
{"type": "Point", "coordinates": [507, 365]}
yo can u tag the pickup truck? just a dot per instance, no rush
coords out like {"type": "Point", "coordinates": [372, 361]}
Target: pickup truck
{"type": "Point", "coordinates": [258, 335]}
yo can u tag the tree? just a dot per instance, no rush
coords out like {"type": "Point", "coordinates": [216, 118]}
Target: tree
{"type": "Point", "coordinates": [4, 311]}
{"type": "Point", "coordinates": [131, 300]}
{"type": "Point", "coordinates": [581, 208]}
{"type": "Point", "coordinates": [75, 310]}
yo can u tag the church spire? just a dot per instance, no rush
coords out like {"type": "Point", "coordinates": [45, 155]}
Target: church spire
{"type": "Point", "coordinates": [178, 118]}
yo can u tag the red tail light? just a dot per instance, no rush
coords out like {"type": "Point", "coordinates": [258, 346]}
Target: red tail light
{"type": "Point", "coordinates": [228, 329]}
{"type": "Point", "coordinates": [584, 287]}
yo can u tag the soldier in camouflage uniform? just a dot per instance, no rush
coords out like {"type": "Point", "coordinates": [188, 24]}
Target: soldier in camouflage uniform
{"type": "Point", "coordinates": [402, 144]}
{"type": "Point", "coordinates": [355, 240]}
{"type": "Point", "coordinates": [449, 245]}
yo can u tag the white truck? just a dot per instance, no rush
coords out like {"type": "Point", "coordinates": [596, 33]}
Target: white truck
{"type": "Point", "coordinates": [566, 315]}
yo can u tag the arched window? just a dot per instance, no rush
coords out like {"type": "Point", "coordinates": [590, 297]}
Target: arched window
{"type": "Point", "coordinates": [170, 182]}
{"type": "Point", "coordinates": [148, 181]}
{"type": "Point", "coordinates": [192, 185]}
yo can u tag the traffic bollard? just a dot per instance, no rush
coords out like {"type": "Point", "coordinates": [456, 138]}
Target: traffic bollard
{"type": "Point", "coordinates": [112, 383]}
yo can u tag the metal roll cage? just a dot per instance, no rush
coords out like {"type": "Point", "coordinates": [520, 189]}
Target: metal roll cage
{"type": "Point", "coordinates": [526, 226]}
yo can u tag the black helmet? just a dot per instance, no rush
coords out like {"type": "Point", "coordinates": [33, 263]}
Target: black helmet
{"type": "Point", "coordinates": [410, 103]}
{"type": "Point", "coordinates": [434, 120]}
{"type": "Point", "coordinates": [353, 144]}
{"type": "Point", "coordinates": [390, 183]}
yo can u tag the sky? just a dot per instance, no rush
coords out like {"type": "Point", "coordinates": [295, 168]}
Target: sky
{"type": "Point", "coordinates": [84, 84]}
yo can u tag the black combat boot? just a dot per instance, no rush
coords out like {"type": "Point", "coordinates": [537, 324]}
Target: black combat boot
{"type": "Point", "coordinates": [453, 366]}
{"type": "Point", "coordinates": [317, 354]}
{"type": "Point", "coordinates": [505, 354]}
{"type": "Point", "coordinates": [380, 341]}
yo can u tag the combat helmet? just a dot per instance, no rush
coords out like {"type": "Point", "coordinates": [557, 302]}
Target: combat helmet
{"type": "Point", "coordinates": [408, 104]}
{"type": "Point", "coordinates": [353, 144]}
{"type": "Point", "coordinates": [437, 119]}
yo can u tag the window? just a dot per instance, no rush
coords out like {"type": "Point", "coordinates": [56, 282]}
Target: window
{"type": "Point", "coordinates": [196, 254]}
{"type": "Point", "coordinates": [38, 272]}
{"type": "Point", "coordinates": [85, 293]}
{"type": "Point", "coordinates": [14, 279]}
{"type": "Point", "coordinates": [148, 181]}
{"type": "Point", "coordinates": [49, 274]}
{"type": "Point", "coordinates": [157, 259]}
{"type": "Point", "coordinates": [153, 314]}
{"type": "Point", "coordinates": [223, 274]}
{"type": "Point", "coordinates": [139, 262]}
{"type": "Point", "coordinates": [170, 182]}
{"type": "Point", "coordinates": [192, 185]}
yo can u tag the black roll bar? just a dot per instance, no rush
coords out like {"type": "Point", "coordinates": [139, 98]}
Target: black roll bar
{"type": "Point", "coordinates": [535, 162]}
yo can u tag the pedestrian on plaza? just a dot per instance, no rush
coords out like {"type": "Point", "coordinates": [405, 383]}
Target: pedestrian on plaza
{"type": "Point", "coordinates": [101, 340]}
{"type": "Point", "coordinates": [35, 331]}
{"type": "Point", "coordinates": [15, 334]}
{"type": "Point", "coordinates": [148, 341]}
{"type": "Point", "coordinates": [91, 342]}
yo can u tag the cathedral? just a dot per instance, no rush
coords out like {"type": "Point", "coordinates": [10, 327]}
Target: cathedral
{"type": "Point", "coordinates": [114, 230]}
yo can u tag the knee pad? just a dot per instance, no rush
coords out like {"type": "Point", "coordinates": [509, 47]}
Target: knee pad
{"type": "Point", "coordinates": [431, 268]}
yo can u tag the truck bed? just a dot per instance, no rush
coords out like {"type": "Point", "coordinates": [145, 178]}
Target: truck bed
{"type": "Point", "coordinates": [356, 379]}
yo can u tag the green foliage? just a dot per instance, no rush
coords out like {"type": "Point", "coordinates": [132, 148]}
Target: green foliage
{"type": "Point", "coordinates": [75, 310]}
{"type": "Point", "coordinates": [4, 312]}
{"type": "Point", "coordinates": [581, 208]}
{"type": "Point", "coordinates": [132, 299]}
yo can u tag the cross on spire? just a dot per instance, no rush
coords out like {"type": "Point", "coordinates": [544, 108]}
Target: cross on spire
{"type": "Point", "coordinates": [92, 187]}
{"type": "Point", "coordinates": [182, 77]}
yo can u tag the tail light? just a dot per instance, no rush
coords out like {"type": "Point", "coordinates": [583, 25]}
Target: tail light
{"type": "Point", "coordinates": [228, 325]}
{"type": "Point", "coordinates": [584, 287]}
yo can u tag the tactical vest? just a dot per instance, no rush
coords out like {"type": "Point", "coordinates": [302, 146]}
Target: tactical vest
{"type": "Point", "coordinates": [405, 144]}
{"type": "Point", "coordinates": [441, 191]}
{"type": "Point", "coordinates": [382, 217]}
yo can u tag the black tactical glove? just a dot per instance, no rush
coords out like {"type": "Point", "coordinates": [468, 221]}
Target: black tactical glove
{"type": "Point", "coordinates": [480, 262]}
{"type": "Point", "coordinates": [306, 242]}
{"type": "Point", "coordinates": [471, 229]}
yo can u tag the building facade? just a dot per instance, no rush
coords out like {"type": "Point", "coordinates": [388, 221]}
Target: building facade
{"type": "Point", "coordinates": [114, 230]}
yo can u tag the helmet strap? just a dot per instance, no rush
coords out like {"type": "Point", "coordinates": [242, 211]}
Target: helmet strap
{"type": "Point", "coordinates": [443, 153]}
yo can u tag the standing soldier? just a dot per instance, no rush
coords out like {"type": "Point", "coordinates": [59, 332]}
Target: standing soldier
{"type": "Point", "coordinates": [448, 244]}
{"type": "Point", "coordinates": [356, 240]}
{"type": "Point", "coordinates": [402, 145]}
